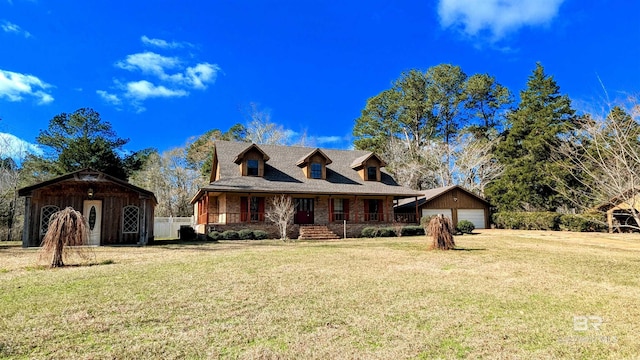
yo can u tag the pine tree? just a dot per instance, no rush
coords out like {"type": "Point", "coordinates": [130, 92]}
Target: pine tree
{"type": "Point", "coordinates": [535, 128]}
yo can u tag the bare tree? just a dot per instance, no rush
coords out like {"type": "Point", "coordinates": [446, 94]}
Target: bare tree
{"type": "Point", "coordinates": [280, 212]}
{"type": "Point", "coordinates": [171, 180]}
{"type": "Point", "coordinates": [604, 162]}
{"type": "Point", "coordinates": [475, 165]}
{"type": "Point", "coordinates": [260, 129]}
{"type": "Point", "coordinates": [409, 170]}
{"type": "Point", "coordinates": [467, 161]}
{"type": "Point", "coordinates": [10, 177]}
{"type": "Point", "coordinates": [67, 230]}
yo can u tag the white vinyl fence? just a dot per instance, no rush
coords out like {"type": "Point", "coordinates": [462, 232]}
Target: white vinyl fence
{"type": "Point", "coordinates": [167, 227]}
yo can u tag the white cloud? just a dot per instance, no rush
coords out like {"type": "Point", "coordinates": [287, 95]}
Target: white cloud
{"type": "Point", "coordinates": [163, 44]}
{"type": "Point", "coordinates": [329, 139]}
{"type": "Point", "coordinates": [14, 86]}
{"type": "Point", "coordinates": [201, 74]}
{"type": "Point", "coordinates": [159, 76]}
{"type": "Point", "coordinates": [112, 99]}
{"type": "Point", "coordinates": [498, 17]}
{"type": "Point", "coordinates": [149, 63]}
{"type": "Point", "coordinates": [9, 27]}
{"type": "Point", "coordinates": [141, 90]}
{"type": "Point", "coordinates": [16, 148]}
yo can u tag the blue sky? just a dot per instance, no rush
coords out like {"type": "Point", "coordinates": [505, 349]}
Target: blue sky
{"type": "Point", "coordinates": [164, 71]}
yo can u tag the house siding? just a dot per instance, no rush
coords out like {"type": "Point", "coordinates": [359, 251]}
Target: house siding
{"type": "Point", "coordinates": [70, 194]}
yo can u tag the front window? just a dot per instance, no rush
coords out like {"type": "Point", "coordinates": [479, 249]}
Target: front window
{"type": "Point", "coordinates": [130, 219]}
{"type": "Point", "coordinates": [45, 216]}
{"type": "Point", "coordinates": [252, 167]}
{"type": "Point", "coordinates": [372, 173]}
{"type": "Point", "coordinates": [316, 171]}
{"type": "Point", "coordinates": [254, 208]}
{"type": "Point", "coordinates": [338, 209]}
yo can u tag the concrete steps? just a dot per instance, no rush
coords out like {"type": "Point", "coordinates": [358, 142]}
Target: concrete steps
{"type": "Point", "coordinates": [316, 232]}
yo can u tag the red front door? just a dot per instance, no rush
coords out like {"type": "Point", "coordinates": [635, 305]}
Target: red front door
{"type": "Point", "coordinates": [304, 211]}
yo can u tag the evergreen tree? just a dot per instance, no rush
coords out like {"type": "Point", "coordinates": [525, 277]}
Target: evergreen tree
{"type": "Point", "coordinates": [535, 128]}
{"type": "Point", "coordinates": [83, 140]}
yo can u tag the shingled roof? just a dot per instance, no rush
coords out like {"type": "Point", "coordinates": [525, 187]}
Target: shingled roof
{"type": "Point", "coordinates": [282, 175]}
{"type": "Point", "coordinates": [430, 194]}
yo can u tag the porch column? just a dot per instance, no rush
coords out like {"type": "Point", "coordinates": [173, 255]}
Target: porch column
{"type": "Point", "coordinates": [417, 210]}
{"type": "Point", "coordinates": [356, 206]}
{"type": "Point", "coordinates": [26, 227]}
{"type": "Point", "coordinates": [330, 211]}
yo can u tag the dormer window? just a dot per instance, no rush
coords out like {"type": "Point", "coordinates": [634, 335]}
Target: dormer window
{"type": "Point", "coordinates": [314, 164]}
{"type": "Point", "coordinates": [368, 167]}
{"type": "Point", "coordinates": [251, 161]}
{"type": "Point", "coordinates": [372, 173]}
{"type": "Point", "coordinates": [316, 170]}
{"type": "Point", "coordinates": [252, 167]}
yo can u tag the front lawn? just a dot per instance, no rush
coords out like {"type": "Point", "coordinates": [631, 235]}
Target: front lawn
{"type": "Point", "coordinates": [504, 294]}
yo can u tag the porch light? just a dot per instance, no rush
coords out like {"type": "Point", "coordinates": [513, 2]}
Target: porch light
{"type": "Point", "coordinates": [455, 198]}
{"type": "Point", "coordinates": [90, 193]}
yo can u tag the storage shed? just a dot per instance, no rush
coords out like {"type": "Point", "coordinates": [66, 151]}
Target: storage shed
{"type": "Point", "coordinates": [117, 212]}
{"type": "Point", "coordinates": [454, 202]}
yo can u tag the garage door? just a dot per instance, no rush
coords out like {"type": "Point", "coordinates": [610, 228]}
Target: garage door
{"type": "Point", "coordinates": [476, 216]}
{"type": "Point", "coordinates": [431, 212]}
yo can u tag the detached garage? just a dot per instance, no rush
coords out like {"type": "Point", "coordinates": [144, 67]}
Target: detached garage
{"type": "Point", "coordinates": [453, 202]}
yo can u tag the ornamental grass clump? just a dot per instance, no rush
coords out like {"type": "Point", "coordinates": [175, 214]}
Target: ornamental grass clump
{"type": "Point", "coordinates": [441, 230]}
{"type": "Point", "coordinates": [66, 232]}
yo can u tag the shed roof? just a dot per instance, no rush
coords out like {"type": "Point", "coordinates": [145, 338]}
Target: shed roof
{"type": "Point", "coordinates": [430, 194]}
{"type": "Point", "coordinates": [86, 175]}
{"type": "Point", "coordinates": [282, 174]}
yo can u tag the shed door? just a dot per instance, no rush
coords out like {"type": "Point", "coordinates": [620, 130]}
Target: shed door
{"type": "Point", "coordinates": [476, 216]}
{"type": "Point", "coordinates": [92, 211]}
{"type": "Point", "coordinates": [431, 212]}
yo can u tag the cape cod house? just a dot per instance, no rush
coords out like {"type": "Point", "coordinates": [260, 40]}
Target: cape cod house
{"type": "Point", "coordinates": [117, 212]}
{"type": "Point", "coordinates": [329, 188]}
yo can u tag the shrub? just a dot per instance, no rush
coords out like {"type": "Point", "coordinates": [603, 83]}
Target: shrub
{"type": "Point", "coordinates": [583, 222]}
{"type": "Point", "coordinates": [386, 232]}
{"type": "Point", "coordinates": [412, 230]}
{"type": "Point", "coordinates": [230, 235]}
{"type": "Point", "coordinates": [214, 236]}
{"type": "Point", "coordinates": [465, 227]}
{"type": "Point", "coordinates": [372, 232]}
{"type": "Point", "coordinates": [260, 235]}
{"type": "Point", "coordinates": [187, 233]}
{"type": "Point", "coordinates": [369, 232]}
{"type": "Point", "coordinates": [527, 220]}
{"type": "Point", "coordinates": [245, 234]}
{"type": "Point", "coordinates": [548, 221]}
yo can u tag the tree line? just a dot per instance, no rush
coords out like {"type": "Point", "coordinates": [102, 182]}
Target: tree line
{"type": "Point", "coordinates": [434, 128]}
{"type": "Point", "coordinates": [442, 127]}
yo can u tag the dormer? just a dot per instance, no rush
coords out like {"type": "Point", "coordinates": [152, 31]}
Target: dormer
{"type": "Point", "coordinates": [314, 164]}
{"type": "Point", "coordinates": [368, 167]}
{"type": "Point", "coordinates": [251, 161]}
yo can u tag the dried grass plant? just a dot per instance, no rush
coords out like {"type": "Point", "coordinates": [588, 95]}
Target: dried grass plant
{"type": "Point", "coordinates": [441, 230]}
{"type": "Point", "coordinates": [67, 232]}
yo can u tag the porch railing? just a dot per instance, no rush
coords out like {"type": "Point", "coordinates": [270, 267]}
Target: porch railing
{"type": "Point", "coordinates": [353, 218]}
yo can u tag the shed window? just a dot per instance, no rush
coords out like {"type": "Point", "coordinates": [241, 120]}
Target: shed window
{"type": "Point", "coordinates": [252, 167]}
{"type": "Point", "coordinates": [45, 216]}
{"type": "Point", "coordinates": [316, 171]}
{"type": "Point", "coordinates": [130, 219]}
{"type": "Point", "coordinates": [372, 173]}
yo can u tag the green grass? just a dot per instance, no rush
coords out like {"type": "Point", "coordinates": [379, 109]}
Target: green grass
{"type": "Point", "coordinates": [505, 294]}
